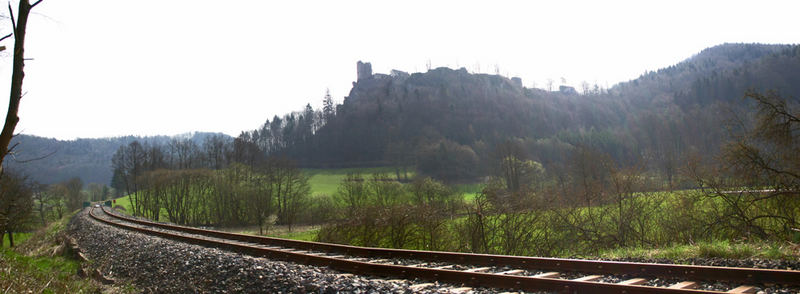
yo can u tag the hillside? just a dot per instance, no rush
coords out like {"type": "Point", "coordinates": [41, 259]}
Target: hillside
{"type": "Point", "coordinates": [457, 118]}
{"type": "Point", "coordinates": [48, 160]}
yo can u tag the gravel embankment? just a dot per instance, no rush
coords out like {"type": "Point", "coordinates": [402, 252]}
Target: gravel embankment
{"type": "Point", "coordinates": [157, 265]}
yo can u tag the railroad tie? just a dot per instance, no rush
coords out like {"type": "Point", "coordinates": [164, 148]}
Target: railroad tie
{"type": "Point", "coordinates": [743, 290]}
{"type": "Point", "coordinates": [511, 272]}
{"type": "Point", "coordinates": [477, 269]}
{"type": "Point", "coordinates": [418, 287]}
{"type": "Point", "coordinates": [548, 275]}
{"type": "Point", "coordinates": [636, 281]}
{"type": "Point", "coordinates": [591, 278]}
{"type": "Point", "coordinates": [461, 290]}
{"type": "Point", "coordinates": [684, 285]}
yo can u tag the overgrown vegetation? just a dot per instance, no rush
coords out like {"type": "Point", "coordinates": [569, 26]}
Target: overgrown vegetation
{"type": "Point", "coordinates": [41, 264]}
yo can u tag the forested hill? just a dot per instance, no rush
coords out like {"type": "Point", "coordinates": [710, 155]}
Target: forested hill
{"type": "Point", "coordinates": [48, 160]}
{"type": "Point", "coordinates": [448, 122]}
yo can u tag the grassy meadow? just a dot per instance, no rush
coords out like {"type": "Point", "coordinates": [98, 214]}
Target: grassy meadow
{"type": "Point", "coordinates": [326, 181]}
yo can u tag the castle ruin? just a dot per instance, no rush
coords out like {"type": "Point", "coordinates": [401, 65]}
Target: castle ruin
{"type": "Point", "coordinates": [364, 70]}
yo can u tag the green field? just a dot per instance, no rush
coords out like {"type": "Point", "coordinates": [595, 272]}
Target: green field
{"type": "Point", "coordinates": [469, 191]}
{"type": "Point", "coordinates": [326, 181]}
{"type": "Point", "coordinates": [125, 202]}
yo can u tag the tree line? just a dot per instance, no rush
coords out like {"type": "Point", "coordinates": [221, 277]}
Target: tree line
{"type": "Point", "coordinates": [219, 183]}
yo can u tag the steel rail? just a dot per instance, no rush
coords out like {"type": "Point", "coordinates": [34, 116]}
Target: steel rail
{"type": "Point", "coordinates": [689, 272]}
{"type": "Point", "coordinates": [474, 279]}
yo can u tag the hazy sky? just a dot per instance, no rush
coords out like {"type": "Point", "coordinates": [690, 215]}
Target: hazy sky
{"type": "Point", "coordinates": [109, 68]}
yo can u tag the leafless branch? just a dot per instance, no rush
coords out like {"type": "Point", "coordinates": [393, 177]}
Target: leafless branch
{"type": "Point", "coordinates": [6, 36]}
{"type": "Point", "coordinates": [32, 159]}
{"type": "Point", "coordinates": [13, 22]}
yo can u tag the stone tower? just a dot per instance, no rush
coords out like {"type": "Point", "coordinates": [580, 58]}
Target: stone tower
{"type": "Point", "coordinates": [364, 70]}
{"type": "Point", "coordinates": [517, 81]}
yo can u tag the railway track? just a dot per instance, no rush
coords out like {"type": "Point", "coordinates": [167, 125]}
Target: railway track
{"type": "Point", "coordinates": [476, 270]}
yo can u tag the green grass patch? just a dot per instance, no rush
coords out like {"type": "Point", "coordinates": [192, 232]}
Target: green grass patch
{"type": "Point", "coordinates": [41, 274]}
{"type": "Point", "coordinates": [307, 235]}
{"type": "Point", "coordinates": [125, 202]}
{"type": "Point", "coordinates": [470, 191]}
{"type": "Point", "coordinates": [720, 249]}
{"type": "Point", "coordinates": [18, 239]}
{"type": "Point", "coordinates": [326, 181]}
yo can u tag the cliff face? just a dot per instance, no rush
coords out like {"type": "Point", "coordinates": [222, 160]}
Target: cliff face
{"type": "Point", "coordinates": [418, 110]}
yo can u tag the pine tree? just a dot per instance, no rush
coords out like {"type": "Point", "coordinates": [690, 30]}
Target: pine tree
{"type": "Point", "coordinates": [328, 108]}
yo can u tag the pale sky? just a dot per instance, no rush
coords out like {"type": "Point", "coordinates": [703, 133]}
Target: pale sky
{"type": "Point", "coordinates": [111, 68]}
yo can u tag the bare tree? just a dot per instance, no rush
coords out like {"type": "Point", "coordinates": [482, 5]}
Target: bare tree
{"type": "Point", "coordinates": [75, 196]}
{"type": "Point", "coordinates": [764, 157]}
{"type": "Point", "coordinates": [291, 191]}
{"type": "Point", "coordinates": [19, 26]}
{"type": "Point", "coordinates": [39, 193]}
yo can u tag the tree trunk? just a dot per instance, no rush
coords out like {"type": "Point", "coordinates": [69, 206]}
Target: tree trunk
{"type": "Point", "coordinates": [16, 77]}
{"type": "Point", "coordinates": [41, 213]}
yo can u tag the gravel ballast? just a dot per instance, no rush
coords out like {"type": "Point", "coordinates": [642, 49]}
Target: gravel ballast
{"type": "Point", "coordinates": [157, 265]}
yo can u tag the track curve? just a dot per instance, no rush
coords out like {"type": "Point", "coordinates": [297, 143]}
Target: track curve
{"type": "Point", "coordinates": [310, 253]}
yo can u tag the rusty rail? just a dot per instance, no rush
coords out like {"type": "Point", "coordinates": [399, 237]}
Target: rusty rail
{"type": "Point", "coordinates": [704, 273]}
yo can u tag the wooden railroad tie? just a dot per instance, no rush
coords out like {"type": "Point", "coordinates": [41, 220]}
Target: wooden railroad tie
{"type": "Point", "coordinates": [549, 275]}
{"type": "Point", "coordinates": [636, 281]}
{"type": "Point", "coordinates": [684, 285]}
{"type": "Point", "coordinates": [591, 278]}
{"type": "Point", "coordinates": [743, 290]}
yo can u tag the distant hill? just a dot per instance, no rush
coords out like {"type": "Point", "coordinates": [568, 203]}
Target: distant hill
{"type": "Point", "coordinates": [48, 160]}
